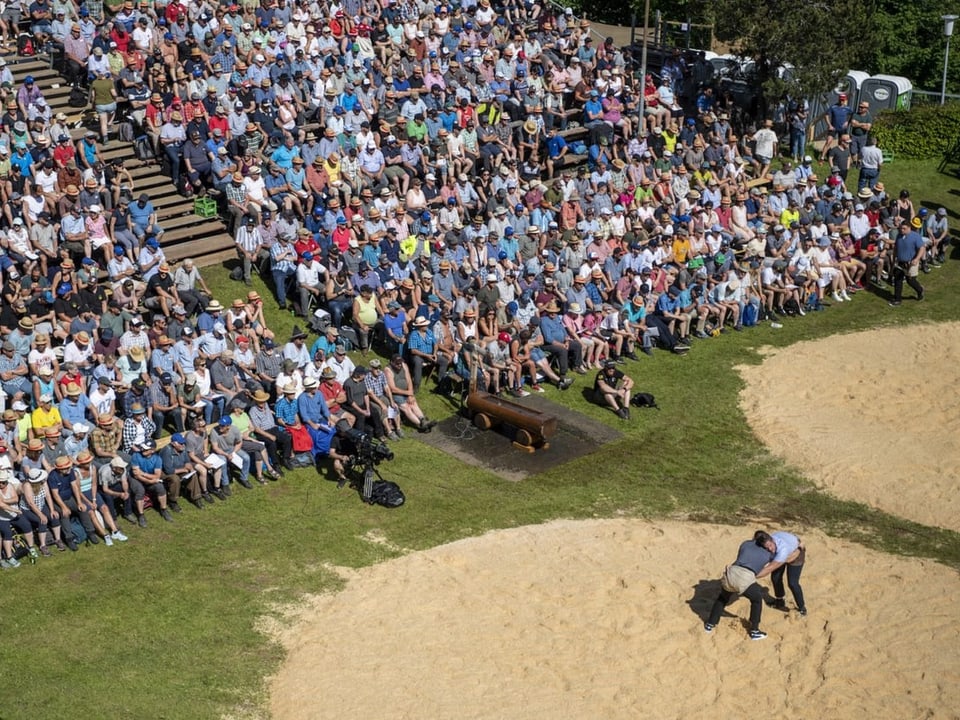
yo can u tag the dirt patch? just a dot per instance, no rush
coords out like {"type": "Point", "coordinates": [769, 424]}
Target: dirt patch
{"type": "Point", "coordinates": [577, 435]}
{"type": "Point", "coordinates": [870, 416]}
{"type": "Point", "coordinates": [603, 619]}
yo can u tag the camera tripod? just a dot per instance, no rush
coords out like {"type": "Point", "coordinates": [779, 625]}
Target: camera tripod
{"type": "Point", "coordinates": [361, 469]}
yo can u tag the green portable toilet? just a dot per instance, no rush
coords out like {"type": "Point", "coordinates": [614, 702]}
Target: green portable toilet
{"type": "Point", "coordinates": [887, 92]}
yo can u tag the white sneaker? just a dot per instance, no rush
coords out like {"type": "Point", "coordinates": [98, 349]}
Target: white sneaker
{"type": "Point", "coordinates": [107, 540]}
{"type": "Point", "coordinates": [845, 296]}
{"type": "Point", "coordinates": [118, 536]}
{"type": "Point", "coordinates": [837, 298]}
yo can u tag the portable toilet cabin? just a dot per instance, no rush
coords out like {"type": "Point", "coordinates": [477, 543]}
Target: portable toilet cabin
{"type": "Point", "coordinates": [887, 92]}
{"type": "Point", "coordinates": [851, 84]}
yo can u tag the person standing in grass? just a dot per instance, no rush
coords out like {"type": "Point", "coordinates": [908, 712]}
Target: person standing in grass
{"type": "Point", "coordinates": [754, 561]}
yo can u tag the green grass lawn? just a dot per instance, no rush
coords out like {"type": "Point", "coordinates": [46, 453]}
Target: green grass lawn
{"type": "Point", "coordinates": [165, 626]}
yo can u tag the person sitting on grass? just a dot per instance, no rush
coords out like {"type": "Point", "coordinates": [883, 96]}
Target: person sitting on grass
{"type": "Point", "coordinates": [86, 489]}
{"type": "Point", "coordinates": [146, 475]}
{"type": "Point", "coordinates": [527, 354]}
{"type": "Point", "coordinates": [612, 386]}
{"type": "Point", "coordinates": [400, 386]}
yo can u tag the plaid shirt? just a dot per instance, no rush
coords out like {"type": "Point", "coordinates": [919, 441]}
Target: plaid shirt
{"type": "Point", "coordinates": [287, 410]}
{"type": "Point", "coordinates": [236, 193]}
{"type": "Point", "coordinates": [136, 432]}
{"type": "Point", "coordinates": [105, 442]}
{"type": "Point", "coordinates": [262, 419]}
{"type": "Point", "coordinates": [377, 384]}
{"type": "Point", "coordinates": [269, 365]}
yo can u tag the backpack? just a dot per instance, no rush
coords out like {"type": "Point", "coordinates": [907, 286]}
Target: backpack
{"type": "Point", "coordinates": [302, 460]}
{"type": "Point", "coordinates": [142, 148]}
{"type": "Point", "coordinates": [76, 528]}
{"type": "Point", "coordinates": [25, 45]}
{"type": "Point", "coordinates": [125, 132]}
{"type": "Point", "coordinates": [20, 548]}
{"type": "Point", "coordinates": [386, 493]}
{"type": "Point", "coordinates": [750, 314]}
{"type": "Point", "coordinates": [78, 98]}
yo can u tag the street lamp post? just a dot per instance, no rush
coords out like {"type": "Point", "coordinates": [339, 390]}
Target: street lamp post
{"type": "Point", "coordinates": [948, 21]}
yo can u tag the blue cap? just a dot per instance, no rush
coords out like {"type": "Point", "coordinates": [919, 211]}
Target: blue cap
{"type": "Point", "coordinates": [48, 296]}
{"type": "Point", "coordinates": [432, 53]}
{"type": "Point", "coordinates": [308, 255]}
{"type": "Point", "coordinates": [153, 243]}
{"type": "Point", "coordinates": [502, 255]}
{"type": "Point", "coordinates": [618, 208]}
{"type": "Point", "coordinates": [198, 72]}
{"type": "Point", "coordinates": [716, 228]}
{"type": "Point", "coordinates": [88, 261]}
{"type": "Point", "coordinates": [691, 121]}
{"type": "Point", "coordinates": [161, 21]}
{"type": "Point", "coordinates": [341, 220]}
{"type": "Point", "coordinates": [512, 307]}
{"type": "Point", "coordinates": [508, 231]}
{"type": "Point", "coordinates": [178, 438]}
{"type": "Point", "coordinates": [225, 420]}
{"type": "Point", "coordinates": [923, 212]}
{"type": "Point", "coordinates": [64, 288]}
{"type": "Point", "coordinates": [28, 79]}
{"type": "Point", "coordinates": [426, 215]}
{"type": "Point", "coordinates": [469, 25]}
{"type": "Point", "coordinates": [518, 207]}
{"type": "Point", "coordinates": [451, 200]}
{"type": "Point", "coordinates": [118, 250]}
{"type": "Point", "coordinates": [168, 36]}
{"type": "Point", "coordinates": [338, 110]}
{"type": "Point", "coordinates": [84, 12]}
{"type": "Point", "coordinates": [268, 343]}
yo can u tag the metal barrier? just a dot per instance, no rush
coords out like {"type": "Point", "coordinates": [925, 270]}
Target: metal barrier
{"type": "Point", "coordinates": [930, 97]}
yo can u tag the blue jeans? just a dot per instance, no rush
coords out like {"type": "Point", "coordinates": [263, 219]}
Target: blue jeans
{"type": "Point", "coordinates": [281, 279]}
{"type": "Point", "coordinates": [244, 469]}
{"type": "Point", "coordinates": [173, 155]}
{"type": "Point", "coordinates": [868, 178]}
{"type": "Point", "coordinates": [798, 143]}
{"type": "Point", "coordinates": [337, 310]}
{"type": "Point", "coordinates": [208, 405]}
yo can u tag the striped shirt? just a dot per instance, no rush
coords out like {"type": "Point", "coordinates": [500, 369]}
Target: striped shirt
{"type": "Point", "coordinates": [248, 240]}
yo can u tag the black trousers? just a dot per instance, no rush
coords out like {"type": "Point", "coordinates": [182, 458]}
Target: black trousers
{"type": "Point", "coordinates": [277, 450]}
{"type": "Point", "coordinates": [793, 582]}
{"type": "Point", "coordinates": [574, 354]}
{"type": "Point", "coordinates": [899, 275]}
{"type": "Point", "coordinates": [666, 338]}
{"type": "Point", "coordinates": [754, 594]}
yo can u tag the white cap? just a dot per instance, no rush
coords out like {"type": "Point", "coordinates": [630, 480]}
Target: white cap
{"type": "Point", "coordinates": [492, 277]}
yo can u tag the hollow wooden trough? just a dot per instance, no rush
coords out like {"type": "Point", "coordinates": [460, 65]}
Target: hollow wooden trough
{"type": "Point", "coordinates": [533, 427]}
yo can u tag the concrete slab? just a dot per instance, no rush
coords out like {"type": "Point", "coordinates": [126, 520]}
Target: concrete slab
{"type": "Point", "coordinates": [493, 450]}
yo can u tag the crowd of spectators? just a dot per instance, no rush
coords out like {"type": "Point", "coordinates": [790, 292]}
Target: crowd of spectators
{"type": "Point", "coordinates": [473, 192]}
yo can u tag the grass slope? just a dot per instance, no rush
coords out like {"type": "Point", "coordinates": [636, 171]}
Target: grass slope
{"type": "Point", "coordinates": [164, 626]}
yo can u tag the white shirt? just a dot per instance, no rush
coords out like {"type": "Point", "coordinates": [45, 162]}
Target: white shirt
{"type": "Point", "coordinates": [309, 274]}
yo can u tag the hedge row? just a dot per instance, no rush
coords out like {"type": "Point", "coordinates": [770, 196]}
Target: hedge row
{"type": "Point", "coordinates": [926, 132]}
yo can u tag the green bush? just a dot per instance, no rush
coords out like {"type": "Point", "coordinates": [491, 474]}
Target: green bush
{"type": "Point", "coordinates": [923, 133]}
